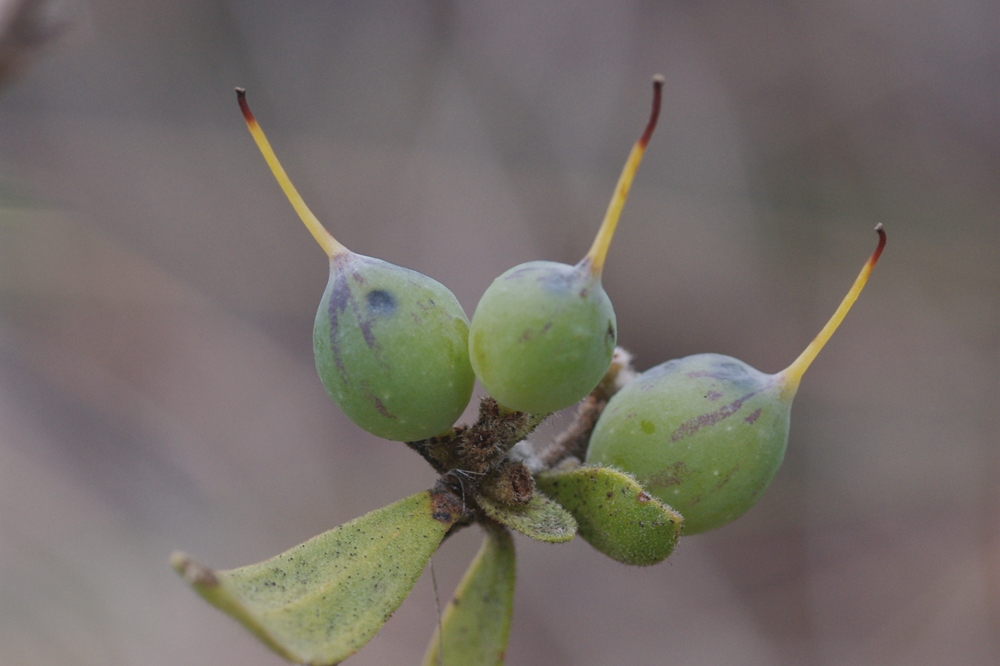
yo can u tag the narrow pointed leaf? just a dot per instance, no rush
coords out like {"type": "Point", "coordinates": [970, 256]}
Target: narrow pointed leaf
{"type": "Point", "coordinates": [319, 602]}
{"type": "Point", "coordinates": [614, 514]}
{"type": "Point", "coordinates": [476, 623]}
{"type": "Point", "coordinates": [540, 519]}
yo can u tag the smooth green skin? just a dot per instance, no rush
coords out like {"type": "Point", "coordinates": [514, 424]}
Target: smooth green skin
{"type": "Point", "coordinates": [476, 623]}
{"type": "Point", "coordinates": [542, 336]}
{"type": "Point", "coordinates": [391, 348]}
{"type": "Point", "coordinates": [615, 514]}
{"type": "Point", "coordinates": [321, 601]}
{"type": "Point", "coordinates": [704, 434]}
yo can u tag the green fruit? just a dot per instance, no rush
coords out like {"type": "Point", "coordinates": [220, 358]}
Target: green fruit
{"type": "Point", "coordinates": [391, 345]}
{"type": "Point", "coordinates": [704, 434]}
{"type": "Point", "coordinates": [542, 336]}
{"type": "Point", "coordinates": [707, 433]}
{"type": "Point", "coordinates": [391, 348]}
{"type": "Point", "coordinates": [543, 333]}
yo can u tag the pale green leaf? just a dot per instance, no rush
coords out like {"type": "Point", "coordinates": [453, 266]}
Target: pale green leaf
{"type": "Point", "coordinates": [476, 622]}
{"type": "Point", "coordinates": [614, 514]}
{"type": "Point", "coordinates": [319, 602]}
{"type": "Point", "coordinates": [541, 518]}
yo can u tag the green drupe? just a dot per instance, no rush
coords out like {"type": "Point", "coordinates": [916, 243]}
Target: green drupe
{"type": "Point", "coordinates": [391, 344]}
{"type": "Point", "coordinates": [706, 434]}
{"type": "Point", "coordinates": [543, 333]}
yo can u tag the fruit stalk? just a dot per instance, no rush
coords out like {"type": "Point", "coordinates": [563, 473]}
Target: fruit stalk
{"type": "Point", "coordinates": [326, 241]}
{"type": "Point", "coordinates": [707, 433]}
{"type": "Point", "coordinates": [599, 250]}
{"type": "Point", "coordinates": [792, 375]}
{"type": "Point", "coordinates": [544, 332]}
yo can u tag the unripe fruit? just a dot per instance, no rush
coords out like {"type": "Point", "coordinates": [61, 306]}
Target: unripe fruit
{"type": "Point", "coordinates": [707, 433]}
{"type": "Point", "coordinates": [391, 345]}
{"type": "Point", "coordinates": [543, 333]}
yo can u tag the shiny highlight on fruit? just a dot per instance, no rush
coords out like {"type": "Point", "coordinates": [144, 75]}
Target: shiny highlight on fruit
{"type": "Point", "coordinates": [391, 344]}
{"type": "Point", "coordinates": [543, 333]}
{"type": "Point", "coordinates": [707, 433]}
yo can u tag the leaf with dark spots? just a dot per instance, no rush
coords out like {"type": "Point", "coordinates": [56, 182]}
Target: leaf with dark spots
{"type": "Point", "coordinates": [615, 514]}
{"type": "Point", "coordinates": [321, 601]}
{"type": "Point", "coordinates": [476, 624]}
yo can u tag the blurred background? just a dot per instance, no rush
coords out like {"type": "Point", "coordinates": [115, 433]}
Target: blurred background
{"type": "Point", "coordinates": [157, 388]}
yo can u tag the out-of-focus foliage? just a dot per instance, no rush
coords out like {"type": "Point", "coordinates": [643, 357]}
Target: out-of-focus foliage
{"type": "Point", "coordinates": [26, 26]}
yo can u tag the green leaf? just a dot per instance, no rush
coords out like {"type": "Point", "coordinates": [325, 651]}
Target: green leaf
{"type": "Point", "coordinates": [321, 601]}
{"type": "Point", "coordinates": [615, 514]}
{"type": "Point", "coordinates": [540, 519]}
{"type": "Point", "coordinates": [476, 622]}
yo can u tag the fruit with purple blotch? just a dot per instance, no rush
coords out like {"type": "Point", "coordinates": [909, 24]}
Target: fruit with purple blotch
{"type": "Point", "coordinates": [543, 333]}
{"type": "Point", "coordinates": [707, 433]}
{"type": "Point", "coordinates": [391, 344]}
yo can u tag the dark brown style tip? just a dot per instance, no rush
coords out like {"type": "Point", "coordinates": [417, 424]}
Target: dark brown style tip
{"type": "Point", "coordinates": [881, 244]}
{"type": "Point", "coordinates": [655, 113]}
{"type": "Point", "coordinates": [241, 97]}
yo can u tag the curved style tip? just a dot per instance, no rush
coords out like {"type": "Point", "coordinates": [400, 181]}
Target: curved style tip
{"type": "Point", "coordinates": [792, 375]}
{"type": "Point", "coordinates": [241, 97]}
{"type": "Point", "coordinates": [326, 241]}
{"type": "Point", "coordinates": [881, 244]}
{"type": "Point", "coordinates": [599, 250]}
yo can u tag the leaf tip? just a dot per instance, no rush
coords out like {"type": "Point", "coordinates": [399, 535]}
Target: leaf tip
{"type": "Point", "coordinates": [195, 574]}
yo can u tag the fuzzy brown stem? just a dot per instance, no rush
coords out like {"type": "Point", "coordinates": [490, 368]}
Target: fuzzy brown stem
{"type": "Point", "coordinates": [469, 455]}
{"type": "Point", "coordinates": [485, 444]}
